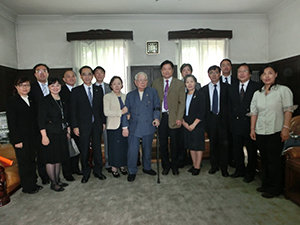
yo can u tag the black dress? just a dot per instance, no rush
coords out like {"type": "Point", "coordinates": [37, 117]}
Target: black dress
{"type": "Point", "coordinates": [117, 145]}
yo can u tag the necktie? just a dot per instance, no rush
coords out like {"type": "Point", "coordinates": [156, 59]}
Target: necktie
{"type": "Point", "coordinates": [102, 89]}
{"type": "Point", "coordinates": [90, 96]}
{"type": "Point", "coordinates": [44, 89]}
{"type": "Point", "coordinates": [215, 101]}
{"type": "Point", "coordinates": [165, 96]}
{"type": "Point", "coordinates": [226, 80]}
{"type": "Point", "coordinates": [242, 93]}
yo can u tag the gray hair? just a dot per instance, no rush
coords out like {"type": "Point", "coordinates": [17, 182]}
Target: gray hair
{"type": "Point", "coordinates": [142, 73]}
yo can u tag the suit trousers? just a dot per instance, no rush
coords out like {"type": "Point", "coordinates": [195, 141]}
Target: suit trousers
{"type": "Point", "coordinates": [41, 166]}
{"type": "Point", "coordinates": [218, 144]}
{"type": "Point", "coordinates": [133, 151]}
{"type": "Point", "coordinates": [270, 147]}
{"type": "Point", "coordinates": [104, 134]}
{"type": "Point", "coordinates": [164, 133]}
{"type": "Point", "coordinates": [239, 142]}
{"type": "Point", "coordinates": [93, 136]}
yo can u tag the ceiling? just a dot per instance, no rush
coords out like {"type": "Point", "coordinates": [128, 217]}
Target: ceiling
{"type": "Point", "coordinates": [84, 7]}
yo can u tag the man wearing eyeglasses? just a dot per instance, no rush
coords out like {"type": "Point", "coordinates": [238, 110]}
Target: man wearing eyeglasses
{"type": "Point", "coordinates": [39, 89]}
{"type": "Point", "coordinates": [216, 94]}
{"type": "Point", "coordinates": [240, 96]}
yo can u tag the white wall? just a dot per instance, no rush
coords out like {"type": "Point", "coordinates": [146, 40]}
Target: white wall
{"type": "Point", "coordinates": [284, 31]}
{"type": "Point", "coordinates": [8, 44]}
{"type": "Point", "coordinates": [43, 38]}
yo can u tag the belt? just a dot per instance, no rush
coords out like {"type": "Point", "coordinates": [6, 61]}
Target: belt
{"type": "Point", "coordinates": [165, 113]}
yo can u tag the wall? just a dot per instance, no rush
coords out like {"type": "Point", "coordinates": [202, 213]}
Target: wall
{"type": "Point", "coordinates": [43, 38]}
{"type": "Point", "coordinates": [284, 35]}
{"type": "Point", "coordinates": [8, 44]}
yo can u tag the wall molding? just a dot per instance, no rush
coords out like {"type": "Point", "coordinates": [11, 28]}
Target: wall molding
{"type": "Point", "coordinates": [7, 13]}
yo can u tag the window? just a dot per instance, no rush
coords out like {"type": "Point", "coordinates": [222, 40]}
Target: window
{"type": "Point", "coordinates": [201, 54]}
{"type": "Point", "coordinates": [110, 54]}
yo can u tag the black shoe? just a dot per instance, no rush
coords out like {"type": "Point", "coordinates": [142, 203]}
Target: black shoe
{"type": "Point", "coordinates": [39, 187]}
{"type": "Point", "coordinates": [261, 189]}
{"type": "Point", "coordinates": [212, 171]}
{"type": "Point", "coordinates": [175, 171]}
{"type": "Point", "coordinates": [267, 195]}
{"type": "Point", "coordinates": [150, 172]}
{"type": "Point", "coordinates": [31, 191]}
{"type": "Point", "coordinates": [63, 184]}
{"type": "Point", "coordinates": [101, 176]}
{"type": "Point", "coordinates": [56, 187]}
{"type": "Point", "coordinates": [70, 178]}
{"type": "Point", "coordinates": [191, 169]}
{"type": "Point", "coordinates": [131, 177]}
{"type": "Point", "coordinates": [45, 181]}
{"type": "Point", "coordinates": [225, 174]}
{"type": "Point", "coordinates": [115, 174]}
{"type": "Point", "coordinates": [84, 179]}
{"type": "Point", "coordinates": [123, 171]}
{"type": "Point", "coordinates": [165, 172]}
{"type": "Point", "coordinates": [248, 179]}
{"type": "Point", "coordinates": [77, 172]}
{"type": "Point", "coordinates": [196, 172]}
{"type": "Point", "coordinates": [108, 169]}
{"type": "Point", "coordinates": [236, 175]}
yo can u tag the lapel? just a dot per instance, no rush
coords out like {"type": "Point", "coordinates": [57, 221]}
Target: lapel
{"type": "Point", "coordinates": [192, 100]}
{"type": "Point", "coordinates": [172, 84]}
{"type": "Point", "coordinates": [84, 95]}
{"type": "Point", "coordinates": [22, 102]}
{"type": "Point", "coordinates": [53, 101]}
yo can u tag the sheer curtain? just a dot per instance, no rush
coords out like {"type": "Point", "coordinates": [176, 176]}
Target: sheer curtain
{"type": "Point", "coordinates": [110, 54]}
{"type": "Point", "coordinates": [201, 54]}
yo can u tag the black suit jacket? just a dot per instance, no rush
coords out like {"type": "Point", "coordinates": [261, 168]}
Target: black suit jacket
{"type": "Point", "coordinates": [233, 80]}
{"type": "Point", "coordinates": [82, 111]}
{"type": "Point", "coordinates": [223, 113]}
{"type": "Point", "coordinates": [197, 109]}
{"type": "Point", "coordinates": [20, 119]}
{"type": "Point", "coordinates": [50, 116]}
{"type": "Point", "coordinates": [239, 122]}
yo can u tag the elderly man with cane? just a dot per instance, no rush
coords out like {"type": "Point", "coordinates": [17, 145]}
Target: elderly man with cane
{"type": "Point", "coordinates": [144, 108]}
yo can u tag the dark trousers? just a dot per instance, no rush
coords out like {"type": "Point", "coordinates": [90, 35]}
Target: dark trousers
{"type": "Point", "coordinates": [84, 140]}
{"type": "Point", "coordinates": [218, 142]}
{"type": "Point", "coordinates": [164, 132]}
{"type": "Point", "coordinates": [270, 147]}
{"type": "Point", "coordinates": [239, 142]}
{"type": "Point", "coordinates": [27, 166]}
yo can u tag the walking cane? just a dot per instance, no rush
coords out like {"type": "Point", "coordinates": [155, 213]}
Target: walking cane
{"type": "Point", "coordinates": [157, 155]}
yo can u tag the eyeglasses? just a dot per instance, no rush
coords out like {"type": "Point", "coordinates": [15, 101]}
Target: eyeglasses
{"type": "Point", "coordinates": [24, 85]}
{"type": "Point", "coordinates": [243, 71]}
{"type": "Point", "coordinates": [213, 72]}
{"type": "Point", "coordinates": [41, 71]}
{"type": "Point", "coordinates": [140, 80]}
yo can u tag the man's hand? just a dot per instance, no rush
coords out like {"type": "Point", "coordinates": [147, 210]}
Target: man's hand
{"type": "Point", "coordinates": [125, 132]}
{"type": "Point", "coordinates": [19, 145]}
{"type": "Point", "coordinates": [155, 123]}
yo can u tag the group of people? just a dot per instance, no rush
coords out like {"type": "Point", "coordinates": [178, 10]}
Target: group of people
{"type": "Point", "coordinates": [235, 112]}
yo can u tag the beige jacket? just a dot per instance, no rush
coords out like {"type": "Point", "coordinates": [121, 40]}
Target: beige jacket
{"type": "Point", "coordinates": [112, 110]}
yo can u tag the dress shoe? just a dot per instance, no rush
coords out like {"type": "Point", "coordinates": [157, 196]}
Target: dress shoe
{"type": "Point", "coordinates": [191, 169]}
{"type": "Point", "coordinates": [77, 172]}
{"type": "Point", "coordinates": [108, 169]}
{"type": "Point", "coordinates": [131, 177]}
{"type": "Point", "coordinates": [196, 172]}
{"type": "Point", "coordinates": [236, 175]}
{"type": "Point", "coordinates": [212, 171]}
{"type": "Point", "coordinates": [39, 187]}
{"type": "Point", "coordinates": [248, 179]}
{"type": "Point", "coordinates": [225, 174]}
{"type": "Point", "coordinates": [45, 181]}
{"type": "Point", "coordinates": [267, 195]}
{"type": "Point", "coordinates": [84, 179]}
{"type": "Point", "coordinates": [261, 189]}
{"type": "Point", "coordinates": [150, 172]}
{"type": "Point", "coordinates": [123, 171]}
{"type": "Point", "coordinates": [175, 171]}
{"type": "Point", "coordinates": [101, 176]}
{"type": "Point", "coordinates": [31, 191]}
{"type": "Point", "coordinates": [165, 172]}
{"type": "Point", "coordinates": [115, 174]}
{"type": "Point", "coordinates": [63, 184]}
{"type": "Point", "coordinates": [56, 187]}
{"type": "Point", "coordinates": [70, 178]}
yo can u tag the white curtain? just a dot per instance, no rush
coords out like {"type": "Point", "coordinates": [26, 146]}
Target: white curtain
{"type": "Point", "coordinates": [110, 54]}
{"type": "Point", "coordinates": [201, 54]}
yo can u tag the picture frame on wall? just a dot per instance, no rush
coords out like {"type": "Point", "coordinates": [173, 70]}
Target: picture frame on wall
{"type": "Point", "coordinates": [152, 47]}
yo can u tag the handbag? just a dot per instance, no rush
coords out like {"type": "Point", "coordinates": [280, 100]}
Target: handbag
{"type": "Point", "coordinates": [73, 149]}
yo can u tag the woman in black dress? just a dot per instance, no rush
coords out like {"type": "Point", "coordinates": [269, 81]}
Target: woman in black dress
{"type": "Point", "coordinates": [114, 109]}
{"type": "Point", "coordinates": [193, 122]}
{"type": "Point", "coordinates": [20, 118]}
{"type": "Point", "coordinates": [54, 130]}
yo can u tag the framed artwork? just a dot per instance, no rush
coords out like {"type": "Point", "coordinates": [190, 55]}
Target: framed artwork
{"type": "Point", "coordinates": [152, 47]}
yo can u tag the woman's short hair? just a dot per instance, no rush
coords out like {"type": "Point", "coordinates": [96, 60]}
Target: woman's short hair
{"type": "Point", "coordinates": [190, 75]}
{"type": "Point", "coordinates": [53, 80]}
{"type": "Point", "coordinates": [261, 84]}
{"type": "Point", "coordinates": [185, 65]}
{"type": "Point", "coordinates": [21, 80]}
{"type": "Point", "coordinates": [112, 80]}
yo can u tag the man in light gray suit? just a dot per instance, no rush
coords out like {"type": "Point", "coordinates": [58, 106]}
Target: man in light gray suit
{"type": "Point", "coordinates": [144, 108]}
{"type": "Point", "coordinates": [99, 73]}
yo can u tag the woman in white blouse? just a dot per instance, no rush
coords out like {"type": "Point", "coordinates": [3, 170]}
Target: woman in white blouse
{"type": "Point", "coordinates": [271, 112]}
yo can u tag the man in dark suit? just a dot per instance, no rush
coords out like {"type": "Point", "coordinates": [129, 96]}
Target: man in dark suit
{"type": "Point", "coordinates": [39, 89]}
{"type": "Point", "coordinates": [99, 73]}
{"type": "Point", "coordinates": [172, 99]}
{"type": "Point", "coordinates": [70, 166]}
{"type": "Point", "coordinates": [240, 96]}
{"type": "Point", "coordinates": [226, 77]}
{"type": "Point", "coordinates": [144, 108]}
{"type": "Point", "coordinates": [88, 122]}
{"type": "Point", "coordinates": [216, 96]}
